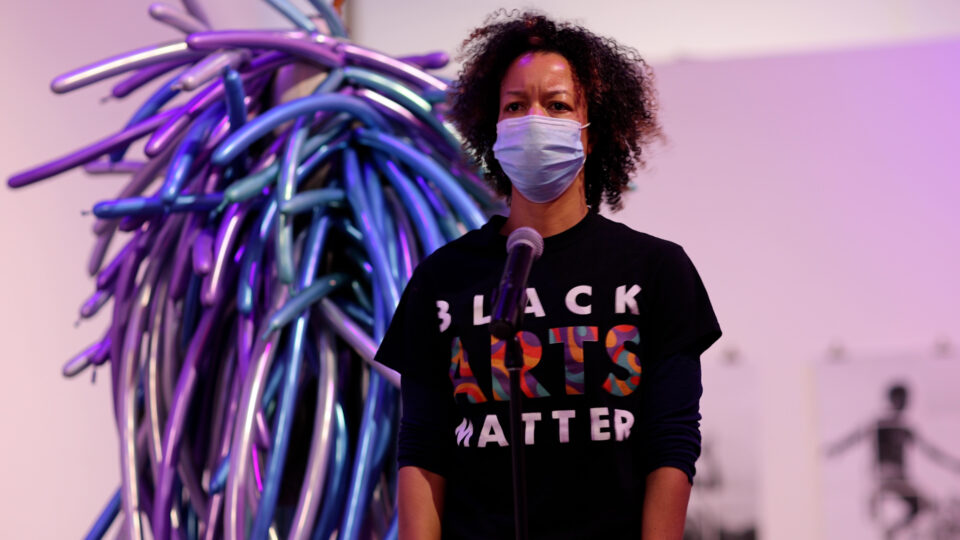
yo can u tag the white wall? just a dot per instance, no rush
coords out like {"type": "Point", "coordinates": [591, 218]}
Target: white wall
{"type": "Point", "coordinates": [669, 30]}
{"type": "Point", "coordinates": [818, 196]}
{"type": "Point", "coordinates": [815, 192]}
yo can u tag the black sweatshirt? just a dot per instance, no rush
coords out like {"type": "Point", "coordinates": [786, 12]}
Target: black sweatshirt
{"type": "Point", "coordinates": [615, 324]}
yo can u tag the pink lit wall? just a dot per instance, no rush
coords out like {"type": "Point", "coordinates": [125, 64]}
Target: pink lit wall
{"type": "Point", "coordinates": [817, 193]}
{"type": "Point", "coordinates": [668, 30]}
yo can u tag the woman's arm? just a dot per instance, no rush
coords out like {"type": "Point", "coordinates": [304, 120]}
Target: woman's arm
{"type": "Point", "coordinates": [421, 503]}
{"type": "Point", "coordinates": [665, 505]}
{"type": "Point", "coordinates": [684, 326]}
{"type": "Point", "coordinates": [671, 418]}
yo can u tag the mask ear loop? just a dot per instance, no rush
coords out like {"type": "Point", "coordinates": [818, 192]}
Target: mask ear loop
{"type": "Point", "coordinates": [585, 153]}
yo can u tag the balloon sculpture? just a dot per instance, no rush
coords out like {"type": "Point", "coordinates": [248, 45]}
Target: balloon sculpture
{"type": "Point", "coordinates": [267, 245]}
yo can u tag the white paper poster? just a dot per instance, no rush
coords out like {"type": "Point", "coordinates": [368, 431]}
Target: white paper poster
{"type": "Point", "coordinates": [890, 448]}
{"type": "Point", "coordinates": [723, 503]}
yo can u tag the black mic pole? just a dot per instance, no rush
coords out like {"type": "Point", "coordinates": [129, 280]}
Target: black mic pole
{"type": "Point", "coordinates": [524, 246]}
{"type": "Point", "coordinates": [514, 361]}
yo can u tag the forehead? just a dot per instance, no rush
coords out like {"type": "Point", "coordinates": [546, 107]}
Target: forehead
{"type": "Point", "coordinates": [538, 69]}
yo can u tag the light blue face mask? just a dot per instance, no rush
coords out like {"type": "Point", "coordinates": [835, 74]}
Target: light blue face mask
{"type": "Point", "coordinates": [541, 155]}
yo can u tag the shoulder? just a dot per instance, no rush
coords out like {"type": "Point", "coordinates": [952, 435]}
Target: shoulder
{"type": "Point", "coordinates": [470, 249]}
{"type": "Point", "coordinates": [473, 242]}
{"type": "Point", "coordinates": [615, 235]}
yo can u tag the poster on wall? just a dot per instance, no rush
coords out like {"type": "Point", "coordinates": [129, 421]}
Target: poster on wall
{"type": "Point", "coordinates": [890, 448]}
{"type": "Point", "coordinates": [724, 500]}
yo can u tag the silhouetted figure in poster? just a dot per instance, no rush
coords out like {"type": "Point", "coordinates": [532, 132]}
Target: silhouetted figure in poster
{"type": "Point", "coordinates": [703, 521]}
{"type": "Point", "coordinates": [892, 436]}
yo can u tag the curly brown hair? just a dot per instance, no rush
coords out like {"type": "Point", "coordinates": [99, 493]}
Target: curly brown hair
{"type": "Point", "coordinates": [617, 86]}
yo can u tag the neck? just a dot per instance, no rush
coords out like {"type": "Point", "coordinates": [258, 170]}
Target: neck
{"type": "Point", "coordinates": [548, 218]}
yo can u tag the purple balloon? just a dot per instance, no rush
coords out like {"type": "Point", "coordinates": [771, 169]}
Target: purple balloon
{"type": "Point", "coordinates": [355, 54]}
{"type": "Point", "coordinates": [174, 431]}
{"type": "Point", "coordinates": [260, 67]}
{"type": "Point", "coordinates": [93, 304]}
{"type": "Point", "coordinates": [107, 167]}
{"type": "Point", "coordinates": [138, 183]}
{"type": "Point", "coordinates": [91, 152]}
{"type": "Point", "coordinates": [129, 378]}
{"type": "Point", "coordinates": [185, 22]}
{"type": "Point", "coordinates": [210, 67]}
{"type": "Point", "coordinates": [203, 252]}
{"type": "Point", "coordinates": [80, 362]}
{"type": "Point", "coordinates": [318, 49]}
{"type": "Point", "coordinates": [212, 290]}
{"type": "Point", "coordinates": [145, 75]}
{"type": "Point", "coordinates": [147, 56]}
{"type": "Point", "coordinates": [434, 60]}
{"type": "Point", "coordinates": [193, 8]}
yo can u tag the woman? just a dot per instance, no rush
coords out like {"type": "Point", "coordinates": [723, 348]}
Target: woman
{"type": "Point", "coordinates": [615, 320]}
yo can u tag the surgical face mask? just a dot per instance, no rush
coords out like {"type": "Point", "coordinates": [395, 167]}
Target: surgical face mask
{"type": "Point", "coordinates": [541, 155]}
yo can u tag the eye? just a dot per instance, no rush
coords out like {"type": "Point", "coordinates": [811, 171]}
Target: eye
{"type": "Point", "coordinates": [560, 106]}
{"type": "Point", "coordinates": [513, 106]}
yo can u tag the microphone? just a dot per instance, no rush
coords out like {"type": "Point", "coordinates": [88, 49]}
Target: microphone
{"type": "Point", "coordinates": [524, 246]}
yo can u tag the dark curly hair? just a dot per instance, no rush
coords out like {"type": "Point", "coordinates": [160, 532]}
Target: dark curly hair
{"type": "Point", "coordinates": [616, 84]}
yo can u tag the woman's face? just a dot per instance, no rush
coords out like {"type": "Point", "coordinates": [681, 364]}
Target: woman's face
{"type": "Point", "coordinates": [542, 83]}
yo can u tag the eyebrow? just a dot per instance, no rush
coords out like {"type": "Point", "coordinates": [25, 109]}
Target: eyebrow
{"type": "Point", "coordinates": [523, 92]}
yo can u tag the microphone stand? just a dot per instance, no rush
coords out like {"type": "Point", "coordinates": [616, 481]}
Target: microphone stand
{"type": "Point", "coordinates": [524, 246]}
{"type": "Point", "coordinates": [514, 361]}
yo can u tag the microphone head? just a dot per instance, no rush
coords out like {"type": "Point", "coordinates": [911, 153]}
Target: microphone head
{"type": "Point", "coordinates": [528, 236]}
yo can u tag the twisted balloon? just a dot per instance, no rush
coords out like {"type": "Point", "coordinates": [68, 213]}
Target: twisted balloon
{"type": "Point", "coordinates": [267, 243]}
